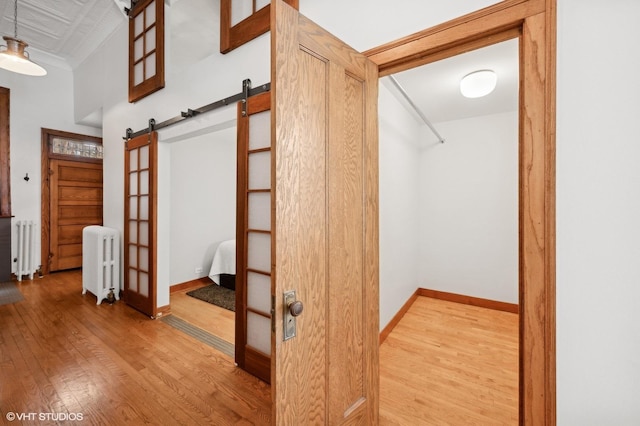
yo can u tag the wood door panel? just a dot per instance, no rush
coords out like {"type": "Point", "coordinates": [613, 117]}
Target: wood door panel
{"type": "Point", "coordinates": [75, 189]}
{"type": "Point", "coordinates": [347, 252]}
{"type": "Point", "coordinates": [306, 235]}
{"type": "Point", "coordinates": [79, 172]}
{"type": "Point", "coordinates": [79, 223]}
{"type": "Point", "coordinates": [257, 363]}
{"type": "Point", "coordinates": [79, 184]}
{"type": "Point", "coordinates": [326, 225]}
{"type": "Point", "coordinates": [70, 262]}
{"type": "Point", "coordinates": [78, 194]}
{"type": "Point", "coordinates": [69, 234]}
{"type": "Point", "coordinates": [78, 213]}
{"type": "Point", "coordinates": [71, 250]}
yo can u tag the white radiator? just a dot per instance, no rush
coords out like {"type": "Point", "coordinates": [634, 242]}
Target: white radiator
{"type": "Point", "coordinates": [101, 261]}
{"type": "Point", "coordinates": [26, 257]}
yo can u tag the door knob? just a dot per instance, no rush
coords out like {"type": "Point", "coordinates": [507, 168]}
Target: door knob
{"type": "Point", "coordinates": [295, 308]}
{"type": "Point", "coordinates": [292, 308]}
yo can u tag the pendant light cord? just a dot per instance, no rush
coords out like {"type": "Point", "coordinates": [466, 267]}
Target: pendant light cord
{"type": "Point", "coordinates": [15, 19]}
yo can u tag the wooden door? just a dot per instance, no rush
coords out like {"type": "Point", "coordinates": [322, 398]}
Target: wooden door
{"type": "Point", "coordinates": [253, 240]}
{"type": "Point", "coordinates": [140, 223]}
{"type": "Point", "coordinates": [325, 144]}
{"type": "Point", "coordinates": [75, 197]}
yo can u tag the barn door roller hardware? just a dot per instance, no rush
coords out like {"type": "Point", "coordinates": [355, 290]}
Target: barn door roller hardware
{"type": "Point", "coordinates": [247, 92]}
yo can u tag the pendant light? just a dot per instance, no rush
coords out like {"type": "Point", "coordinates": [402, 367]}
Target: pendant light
{"type": "Point", "coordinates": [13, 57]}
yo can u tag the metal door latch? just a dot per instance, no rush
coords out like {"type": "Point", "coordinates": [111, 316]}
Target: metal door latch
{"type": "Point", "coordinates": [292, 308]}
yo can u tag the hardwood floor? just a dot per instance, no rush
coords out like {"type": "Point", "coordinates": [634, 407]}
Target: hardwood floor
{"type": "Point", "coordinates": [214, 319]}
{"type": "Point", "coordinates": [444, 363]}
{"type": "Point", "coordinates": [447, 363]}
{"type": "Point", "coordinates": [59, 352]}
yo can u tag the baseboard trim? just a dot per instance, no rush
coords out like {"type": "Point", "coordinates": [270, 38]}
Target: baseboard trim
{"type": "Point", "coordinates": [162, 311]}
{"type": "Point", "coordinates": [198, 282]}
{"type": "Point", "coordinates": [398, 316]}
{"type": "Point", "coordinates": [469, 300]}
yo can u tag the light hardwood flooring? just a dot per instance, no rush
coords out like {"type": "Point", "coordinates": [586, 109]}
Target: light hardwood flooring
{"type": "Point", "coordinates": [444, 363]}
{"type": "Point", "coordinates": [59, 352]}
{"type": "Point", "coordinates": [447, 363]}
{"type": "Point", "coordinates": [211, 318]}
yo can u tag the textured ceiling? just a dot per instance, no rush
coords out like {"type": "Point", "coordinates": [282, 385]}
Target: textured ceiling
{"type": "Point", "coordinates": [65, 32]}
{"type": "Point", "coordinates": [61, 32]}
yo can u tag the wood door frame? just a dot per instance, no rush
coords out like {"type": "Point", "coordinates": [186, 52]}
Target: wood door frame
{"type": "Point", "coordinates": [45, 191]}
{"type": "Point", "coordinates": [5, 153]}
{"type": "Point", "coordinates": [534, 22]}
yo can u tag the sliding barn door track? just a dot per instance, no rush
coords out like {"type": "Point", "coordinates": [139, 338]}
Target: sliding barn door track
{"type": "Point", "coordinates": [247, 92]}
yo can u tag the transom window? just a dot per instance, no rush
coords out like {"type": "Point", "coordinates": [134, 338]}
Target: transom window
{"type": "Point", "coordinates": [76, 148]}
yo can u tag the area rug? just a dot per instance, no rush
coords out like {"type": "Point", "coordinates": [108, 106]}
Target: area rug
{"type": "Point", "coordinates": [9, 293]}
{"type": "Point", "coordinates": [216, 295]}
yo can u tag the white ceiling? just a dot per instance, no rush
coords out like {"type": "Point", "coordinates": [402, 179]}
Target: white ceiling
{"type": "Point", "coordinates": [61, 32]}
{"type": "Point", "coordinates": [65, 32]}
{"type": "Point", "coordinates": [435, 87]}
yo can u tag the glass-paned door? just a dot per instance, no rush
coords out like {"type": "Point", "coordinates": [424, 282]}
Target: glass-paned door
{"type": "Point", "coordinates": [253, 243]}
{"type": "Point", "coordinates": [140, 223]}
{"type": "Point", "coordinates": [146, 49]}
{"type": "Point", "coordinates": [241, 21]}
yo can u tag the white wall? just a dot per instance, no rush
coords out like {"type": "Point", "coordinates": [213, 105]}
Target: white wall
{"type": "Point", "coordinates": [598, 212]}
{"type": "Point", "coordinates": [203, 201]}
{"type": "Point", "coordinates": [399, 218]}
{"type": "Point", "coordinates": [448, 212]}
{"type": "Point", "coordinates": [35, 103]}
{"type": "Point", "coordinates": [163, 224]}
{"type": "Point", "coordinates": [468, 191]}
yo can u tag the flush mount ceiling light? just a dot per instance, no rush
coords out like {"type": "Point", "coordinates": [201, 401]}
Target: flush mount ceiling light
{"type": "Point", "coordinates": [13, 56]}
{"type": "Point", "coordinates": [478, 83]}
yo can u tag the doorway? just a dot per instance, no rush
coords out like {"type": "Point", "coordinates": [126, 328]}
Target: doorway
{"type": "Point", "coordinates": [242, 227]}
{"type": "Point", "coordinates": [535, 28]}
{"type": "Point", "coordinates": [202, 210]}
{"type": "Point", "coordinates": [71, 190]}
{"type": "Point", "coordinates": [449, 225]}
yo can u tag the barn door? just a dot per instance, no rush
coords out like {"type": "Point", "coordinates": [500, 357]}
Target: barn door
{"type": "Point", "coordinates": [253, 241]}
{"type": "Point", "coordinates": [140, 223]}
{"type": "Point", "coordinates": [326, 226]}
